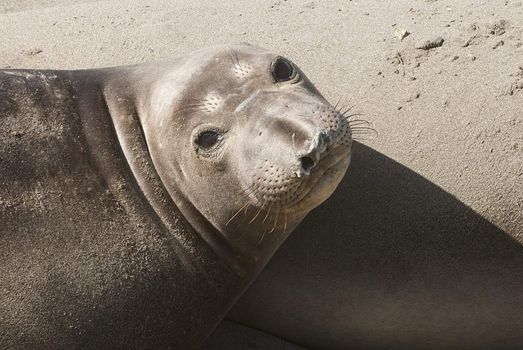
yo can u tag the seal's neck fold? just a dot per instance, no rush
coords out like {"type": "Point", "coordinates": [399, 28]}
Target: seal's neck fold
{"type": "Point", "coordinates": [171, 207]}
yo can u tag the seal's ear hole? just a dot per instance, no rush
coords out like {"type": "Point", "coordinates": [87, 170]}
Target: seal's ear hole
{"type": "Point", "coordinates": [282, 70]}
{"type": "Point", "coordinates": [207, 139]}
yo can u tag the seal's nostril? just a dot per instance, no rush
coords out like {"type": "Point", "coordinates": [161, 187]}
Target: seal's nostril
{"type": "Point", "coordinates": [307, 163]}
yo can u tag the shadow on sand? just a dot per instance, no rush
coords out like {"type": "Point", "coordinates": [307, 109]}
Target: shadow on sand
{"type": "Point", "coordinates": [391, 261]}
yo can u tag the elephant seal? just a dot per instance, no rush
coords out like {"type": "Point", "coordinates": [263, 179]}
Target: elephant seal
{"type": "Point", "coordinates": [138, 202]}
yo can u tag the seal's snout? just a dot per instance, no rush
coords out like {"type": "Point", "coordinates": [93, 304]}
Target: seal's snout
{"type": "Point", "coordinates": [320, 143]}
{"type": "Point", "coordinates": [307, 163]}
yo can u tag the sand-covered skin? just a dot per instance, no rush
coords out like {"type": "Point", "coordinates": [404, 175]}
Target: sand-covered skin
{"type": "Point", "coordinates": [452, 114]}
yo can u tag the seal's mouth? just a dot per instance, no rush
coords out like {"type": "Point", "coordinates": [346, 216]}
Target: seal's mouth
{"type": "Point", "coordinates": [324, 178]}
{"type": "Point", "coordinates": [332, 157]}
{"type": "Point", "coordinates": [287, 192]}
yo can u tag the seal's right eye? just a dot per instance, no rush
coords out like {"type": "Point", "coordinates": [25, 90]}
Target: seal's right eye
{"type": "Point", "coordinates": [282, 70]}
{"type": "Point", "coordinates": [207, 140]}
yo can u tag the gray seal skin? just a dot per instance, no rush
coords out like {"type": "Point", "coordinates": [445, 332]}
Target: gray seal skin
{"type": "Point", "coordinates": [137, 203]}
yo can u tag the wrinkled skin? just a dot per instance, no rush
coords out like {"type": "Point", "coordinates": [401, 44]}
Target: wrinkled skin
{"type": "Point", "coordinates": [139, 202]}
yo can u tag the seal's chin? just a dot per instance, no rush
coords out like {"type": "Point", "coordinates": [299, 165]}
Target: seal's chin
{"type": "Point", "coordinates": [324, 179]}
{"type": "Point", "coordinates": [280, 190]}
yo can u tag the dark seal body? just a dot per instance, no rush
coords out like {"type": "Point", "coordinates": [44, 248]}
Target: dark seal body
{"type": "Point", "coordinates": [137, 203]}
{"type": "Point", "coordinates": [118, 278]}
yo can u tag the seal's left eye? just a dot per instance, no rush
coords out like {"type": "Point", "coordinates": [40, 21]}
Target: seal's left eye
{"type": "Point", "coordinates": [208, 139]}
{"type": "Point", "coordinates": [282, 70]}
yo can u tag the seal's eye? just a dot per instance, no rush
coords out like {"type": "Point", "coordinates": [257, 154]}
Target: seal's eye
{"type": "Point", "coordinates": [282, 70]}
{"type": "Point", "coordinates": [208, 139]}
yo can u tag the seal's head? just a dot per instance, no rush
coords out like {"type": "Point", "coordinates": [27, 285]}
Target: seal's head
{"type": "Point", "coordinates": [244, 137]}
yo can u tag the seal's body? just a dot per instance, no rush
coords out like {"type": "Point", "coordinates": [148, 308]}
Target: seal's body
{"type": "Point", "coordinates": [137, 203]}
{"type": "Point", "coordinates": [85, 262]}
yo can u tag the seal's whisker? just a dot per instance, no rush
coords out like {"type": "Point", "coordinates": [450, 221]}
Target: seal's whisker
{"type": "Point", "coordinates": [284, 222]}
{"type": "Point", "coordinates": [364, 133]}
{"type": "Point", "coordinates": [266, 215]}
{"type": "Point", "coordinates": [264, 231]}
{"type": "Point", "coordinates": [374, 134]}
{"type": "Point", "coordinates": [235, 58]}
{"type": "Point", "coordinates": [360, 126]}
{"type": "Point", "coordinates": [245, 216]}
{"type": "Point", "coordinates": [194, 105]}
{"type": "Point", "coordinates": [338, 102]}
{"type": "Point", "coordinates": [235, 54]}
{"type": "Point", "coordinates": [343, 112]}
{"type": "Point", "coordinates": [357, 122]}
{"type": "Point", "coordinates": [344, 109]}
{"type": "Point", "coordinates": [348, 116]}
{"type": "Point", "coordinates": [363, 129]}
{"type": "Point", "coordinates": [339, 106]}
{"type": "Point", "coordinates": [199, 100]}
{"type": "Point", "coordinates": [261, 238]}
{"type": "Point", "coordinates": [365, 136]}
{"type": "Point", "coordinates": [198, 103]}
{"type": "Point", "coordinates": [186, 109]}
{"type": "Point", "coordinates": [357, 128]}
{"type": "Point", "coordinates": [238, 212]}
{"type": "Point", "coordinates": [275, 222]}
{"type": "Point", "coordinates": [249, 193]}
{"type": "Point", "coordinates": [246, 192]}
{"type": "Point", "coordinates": [258, 213]}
